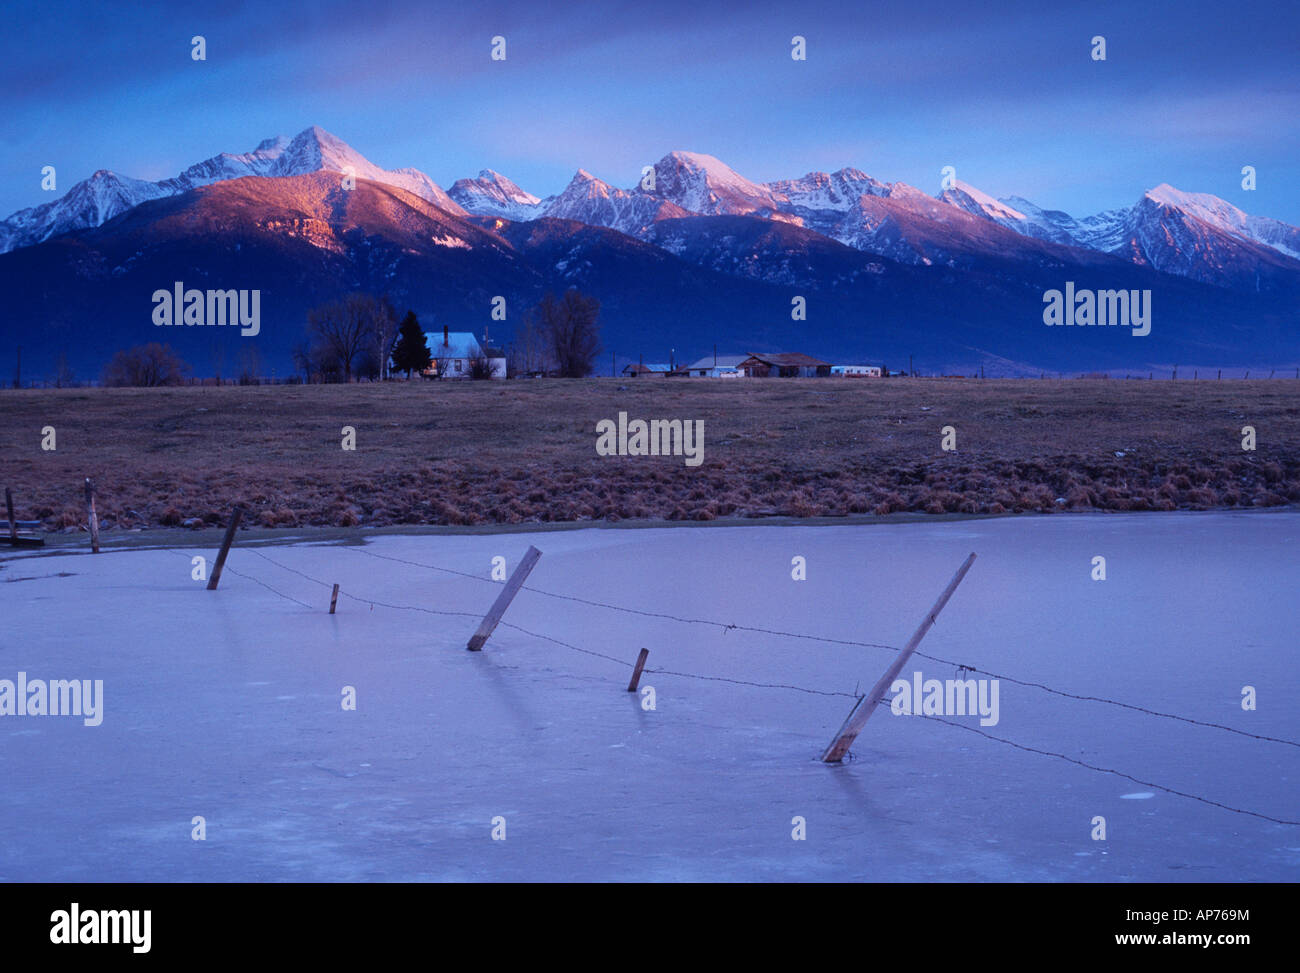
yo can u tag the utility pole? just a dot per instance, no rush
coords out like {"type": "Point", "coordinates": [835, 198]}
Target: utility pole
{"type": "Point", "coordinates": [18, 372]}
{"type": "Point", "coordinates": [910, 371]}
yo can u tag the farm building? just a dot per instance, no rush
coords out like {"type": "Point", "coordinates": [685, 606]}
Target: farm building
{"type": "Point", "coordinates": [715, 366]}
{"type": "Point", "coordinates": [454, 353]}
{"type": "Point", "coordinates": [646, 371]}
{"type": "Point", "coordinates": [789, 364]}
{"type": "Point", "coordinates": [856, 371]}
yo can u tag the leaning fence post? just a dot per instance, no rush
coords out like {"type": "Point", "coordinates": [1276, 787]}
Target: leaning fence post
{"type": "Point", "coordinates": [334, 598]}
{"type": "Point", "coordinates": [864, 707]}
{"type": "Point", "coordinates": [91, 516]}
{"type": "Point", "coordinates": [225, 549]}
{"type": "Point", "coordinates": [636, 673]}
{"type": "Point", "coordinates": [513, 584]}
{"type": "Point", "coordinates": [9, 509]}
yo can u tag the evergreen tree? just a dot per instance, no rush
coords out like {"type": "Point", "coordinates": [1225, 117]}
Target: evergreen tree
{"type": "Point", "coordinates": [411, 353]}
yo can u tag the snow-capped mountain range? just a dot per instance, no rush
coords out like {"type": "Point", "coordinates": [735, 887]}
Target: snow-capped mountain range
{"type": "Point", "coordinates": [106, 194]}
{"type": "Point", "coordinates": [1193, 235]}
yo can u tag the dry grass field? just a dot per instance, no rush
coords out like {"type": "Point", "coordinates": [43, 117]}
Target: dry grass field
{"type": "Point", "coordinates": [524, 451]}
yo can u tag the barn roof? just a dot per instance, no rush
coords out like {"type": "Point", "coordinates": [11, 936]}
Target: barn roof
{"type": "Point", "coordinates": [787, 359]}
{"type": "Point", "coordinates": [723, 361]}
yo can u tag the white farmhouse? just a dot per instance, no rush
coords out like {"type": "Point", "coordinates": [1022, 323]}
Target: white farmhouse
{"type": "Point", "coordinates": [454, 352]}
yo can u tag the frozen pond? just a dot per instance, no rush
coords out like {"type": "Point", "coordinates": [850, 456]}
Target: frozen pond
{"type": "Point", "coordinates": [227, 705]}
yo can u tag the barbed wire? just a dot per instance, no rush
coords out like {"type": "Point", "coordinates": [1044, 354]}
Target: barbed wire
{"type": "Point", "coordinates": [249, 577]}
{"type": "Point", "coordinates": [1106, 770]}
{"type": "Point", "coordinates": [532, 634]}
{"type": "Point", "coordinates": [726, 626]}
{"type": "Point", "coordinates": [785, 686]}
{"type": "Point", "coordinates": [1111, 702]}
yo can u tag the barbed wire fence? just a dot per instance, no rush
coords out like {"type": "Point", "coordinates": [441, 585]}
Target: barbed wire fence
{"type": "Point", "coordinates": [726, 627]}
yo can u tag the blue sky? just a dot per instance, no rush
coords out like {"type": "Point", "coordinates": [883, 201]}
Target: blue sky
{"type": "Point", "coordinates": [1004, 91]}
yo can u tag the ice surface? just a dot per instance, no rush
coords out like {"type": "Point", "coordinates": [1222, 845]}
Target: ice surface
{"type": "Point", "coordinates": [227, 704]}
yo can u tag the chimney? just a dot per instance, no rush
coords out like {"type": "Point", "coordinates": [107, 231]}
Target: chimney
{"type": "Point", "coordinates": [444, 336]}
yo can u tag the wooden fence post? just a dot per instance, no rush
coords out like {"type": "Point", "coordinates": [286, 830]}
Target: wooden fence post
{"type": "Point", "coordinates": [334, 598]}
{"type": "Point", "coordinates": [92, 516]}
{"type": "Point", "coordinates": [636, 673]}
{"type": "Point", "coordinates": [866, 705]}
{"type": "Point", "coordinates": [9, 509]}
{"type": "Point", "coordinates": [225, 548]}
{"type": "Point", "coordinates": [513, 584]}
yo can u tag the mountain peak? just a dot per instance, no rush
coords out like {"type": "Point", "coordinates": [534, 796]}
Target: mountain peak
{"type": "Point", "coordinates": [698, 160]}
{"type": "Point", "coordinates": [275, 143]}
{"type": "Point", "coordinates": [314, 148]}
{"type": "Point", "coordinates": [1209, 209]}
{"type": "Point", "coordinates": [701, 183]}
{"type": "Point", "coordinates": [105, 194]}
{"type": "Point", "coordinates": [492, 194]}
{"type": "Point", "coordinates": [978, 203]}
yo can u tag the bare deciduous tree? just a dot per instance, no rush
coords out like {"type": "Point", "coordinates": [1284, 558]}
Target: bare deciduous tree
{"type": "Point", "coordinates": [344, 334]}
{"type": "Point", "coordinates": [385, 335]}
{"type": "Point", "coordinates": [250, 365]}
{"type": "Point", "coordinates": [528, 352]}
{"type": "Point", "coordinates": [570, 328]}
{"type": "Point", "coordinates": [63, 376]}
{"type": "Point", "coordinates": [146, 366]}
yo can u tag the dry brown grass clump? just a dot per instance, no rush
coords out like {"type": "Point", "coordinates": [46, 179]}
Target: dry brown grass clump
{"type": "Point", "coordinates": [480, 453]}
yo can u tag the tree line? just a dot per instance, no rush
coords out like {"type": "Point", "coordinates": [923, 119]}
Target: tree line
{"type": "Point", "coordinates": [360, 337]}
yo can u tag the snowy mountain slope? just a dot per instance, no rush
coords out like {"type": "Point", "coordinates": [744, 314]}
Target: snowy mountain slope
{"type": "Point", "coordinates": [820, 200]}
{"type": "Point", "coordinates": [94, 201]}
{"type": "Point", "coordinates": [822, 192]}
{"type": "Point", "coordinates": [492, 194]}
{"type": "Point", "coordinates": [1052, 224]}
{"type": "Point", "coordinates": [1222, 215]}
{"type": "Point", "coordinates": [595, 202]}
{"type": "Point", "coordinates": [701, 184]}
{"type": "Point", "coordinates": [90, 202]}
{"type": "Point", "coordinates": [1193, 235]}
{"type": "Point", "coordinates": [910, 226]}
{"type": "Point", "coordinates": [1205, 245]}
{"type": "Point", "coordinates": [972, 200]}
